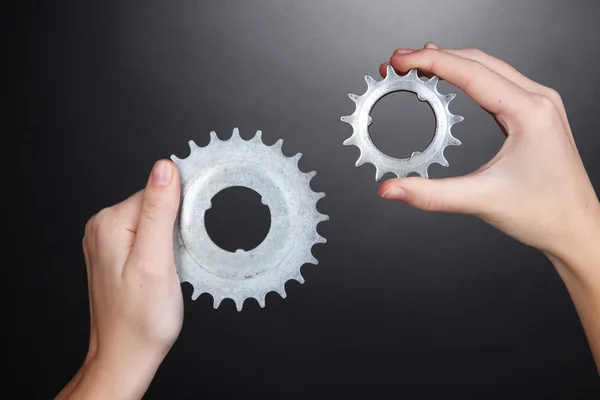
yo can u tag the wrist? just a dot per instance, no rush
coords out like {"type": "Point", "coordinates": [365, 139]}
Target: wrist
{"type": "Point", "coordinates": [113, 376]}
{"type": "Point", "coordinates": [577, 255]}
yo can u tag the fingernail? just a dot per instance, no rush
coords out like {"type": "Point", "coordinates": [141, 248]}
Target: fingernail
{"type": "Point", "coordinates": [161, 173]}
{"type": "Point", "coordinates": [431, 45]}
{"type": "Point", "coordinates": [394, 193]}
{"type": "Point", "coordinates": [403, 51]}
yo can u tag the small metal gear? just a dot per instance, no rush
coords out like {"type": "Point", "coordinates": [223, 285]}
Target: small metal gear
{"type": "Point", "coordinates": [294, 218]}
{"type": "Point", "coordinates": [425, 90]}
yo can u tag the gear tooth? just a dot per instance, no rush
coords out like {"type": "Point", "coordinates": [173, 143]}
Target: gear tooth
{"type": "Point", "coordinates": [370, 81]}
{"type": "Point", "coordinates": [281, 291]}
{"type": "Point", "coordinates": [196, 293]}
{"type": "Point", "coordinates": [423, 171]}
{"type": "Point", "coordinates": [323, 217]}
{"type": "Point", "coordinates": [442, 161]}
{"type": "Point", "coordinates": [347, 119]}
{"type": "Point", "coordinates": [321, 239]}
{"type": "Point", "coordinates": [351, 141]}
{"type": "Point", "coordinates": [238, 300]}
{"type": "Point", "coordinates": [412, 74]}
{"type": "Point", "coordinates": [378, 174]}
{"type": "Point", "coordinates": [360, 161]}
{"type": "Point", "coordinates": [193, 145]}
{"type": "Point", "coordinates": [176, 160]}
{"type": "Point", "coordinates": [214, 137]}
{"type": "Point", "coordinates": [313, 260]}
{"type": "Point", "coordinates": [236, 134]}
{"type": "Point", "coordinates": [239, 304]}
{"type": "Point", "coordinates": [261, 300]}
{"type": "Point", "coordinates": [433, 81]}
{"type": "Point", "coordinates": [310, 175]}
{"type": "Point", "coordinates": [369, 121]}
{"type": "Point", "coordinates": [452, 141]}
{"type": "Point", "coordinates": [390, 71]}
{"type": "Point", "coordinates": [449, 97]}
{"type": "Point", "coordinates": [353, 97]}
{"type": "Point", "coordinates": [454, 119]}
{"type": "Point", "coordinates": [258, 136]}
{"type": "Point", "coordinates": [298, 277]}
{"type": "Point", "coordinates": [216, 301]}
{"type": "Point", "coordinates": [296, 158]}
{"type": "Point", "coordinates": [277, 145]}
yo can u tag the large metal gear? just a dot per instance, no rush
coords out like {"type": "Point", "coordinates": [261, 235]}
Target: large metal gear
{"type": "Point", "coordinates": [294, 218]}
{"type": "Point", "coordinates": [419, 162]}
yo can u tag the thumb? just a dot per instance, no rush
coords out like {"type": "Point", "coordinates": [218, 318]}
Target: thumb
{"type": "Point", "coordinates": [160, 201]}
{"type": "Point", "coordinates": [459, 195]}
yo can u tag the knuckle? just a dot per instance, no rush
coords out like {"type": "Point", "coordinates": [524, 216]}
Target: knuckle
{"type": "Point", "coordinates": [539, 109]}
{"type": "Point", "coordinates": [474, 53]}
{"type": "Point", "coordinates": [153, 207]}
{"type": "Point", "coordinates": [553, 95]}
{"type": "Point", "coordinates": [433, 200]}
{"type": "Point", "coordinates": [542, 104]}
{"type": "Point", "coordinates": [104, 216]}
{"type": "Point", "coordinates": [102, 221]}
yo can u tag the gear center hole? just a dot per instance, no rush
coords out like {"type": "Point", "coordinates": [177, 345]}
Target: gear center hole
{"type": "Point", "coordinates": [402, 124]}
{"type": "Point", "coordinates": [237, 219]}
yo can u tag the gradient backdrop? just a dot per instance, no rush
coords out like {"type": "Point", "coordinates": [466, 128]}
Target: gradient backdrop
{"type": "Point", "coordinates": [403, 303]}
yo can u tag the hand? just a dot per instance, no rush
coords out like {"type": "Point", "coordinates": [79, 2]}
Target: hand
{"type": "Point", "coordinates": [136, 304]}
{"type": "Point", "coordinates": [535, 189]}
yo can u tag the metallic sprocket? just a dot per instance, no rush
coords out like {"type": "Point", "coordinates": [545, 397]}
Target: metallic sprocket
{"type": "Point", "coordinates": [418, 162]}
{"type": "Point", "coordinates": [294, 218]}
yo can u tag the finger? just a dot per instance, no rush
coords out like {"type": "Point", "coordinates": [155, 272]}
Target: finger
{"type": "Point", "coordinates": [383, 67]}
{"type": "Point", "coordinates": [153, 247]}
{"type": "Point", "coordinates": [503, 68]}
{"type": "Point", "coordinates": [490, 90]}
{"type": "Point", "coordinates": [467, 194]}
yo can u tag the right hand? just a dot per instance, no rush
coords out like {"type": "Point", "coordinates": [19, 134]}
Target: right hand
{"type": "Point", "coordinates": [536, 188]}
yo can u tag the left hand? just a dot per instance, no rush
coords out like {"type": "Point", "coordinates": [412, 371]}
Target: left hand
{"type": "Point", "coordinates": [136, 304]}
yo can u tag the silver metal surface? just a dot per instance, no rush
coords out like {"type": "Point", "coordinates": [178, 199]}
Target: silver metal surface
{"type": "Point", "coordinates": [294, 218]}
{"type": "Point", "coordinates": [418, 162]}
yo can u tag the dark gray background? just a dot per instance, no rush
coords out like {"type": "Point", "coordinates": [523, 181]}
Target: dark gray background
{"type": "Point", "coordinates": [403, 303]}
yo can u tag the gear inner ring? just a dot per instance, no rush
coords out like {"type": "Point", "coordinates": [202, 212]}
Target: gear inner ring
{"type": "Point", "coordinates": [240, 264]}
{"type": "Point", "coordinates": [423, 93]}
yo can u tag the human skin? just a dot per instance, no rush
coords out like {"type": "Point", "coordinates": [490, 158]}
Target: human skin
{"type": "Point", "coordinates": [136, 303]}
{"type": "Point", "coordinates": [535, 189]}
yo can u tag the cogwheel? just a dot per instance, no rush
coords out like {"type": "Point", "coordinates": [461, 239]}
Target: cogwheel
{"type": "Point", "coordinates": [419, 162]}
{"type": "Point", "coordinates": [294, 219]}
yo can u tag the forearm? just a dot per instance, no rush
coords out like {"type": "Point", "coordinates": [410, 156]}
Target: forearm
{"type": "Point", "coordinates": [103, 379]}
{"type": "Point", "coordinates": [579, 267]}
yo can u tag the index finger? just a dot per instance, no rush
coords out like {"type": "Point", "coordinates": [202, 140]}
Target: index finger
{"type": "Point", "coordinates": [490, 90]}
